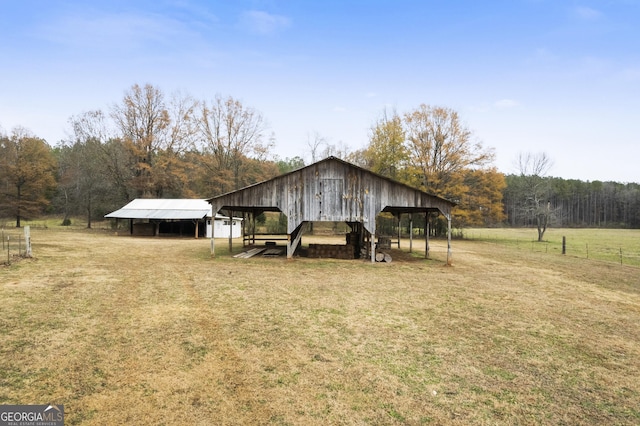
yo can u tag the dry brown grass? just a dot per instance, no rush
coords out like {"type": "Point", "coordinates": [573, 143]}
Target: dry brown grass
{"type": "Point", "coordinates": [128, 330]}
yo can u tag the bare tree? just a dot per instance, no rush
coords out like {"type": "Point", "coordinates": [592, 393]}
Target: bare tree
{"type": "Point", "coordinates": [84, 182]}
{"type": "Point", "coordinates": [150, 127]}
{"type": "Point", "coordinates": [315, 144]}
{"type": "Point", "coordinates": [231, 133]}
{"type": "Point", "coordinates": [339, 150]}
{"type": "Point", "coordinates": [534, 190]}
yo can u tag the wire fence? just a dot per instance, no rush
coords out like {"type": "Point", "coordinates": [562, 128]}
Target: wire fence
{"type": "Point", "coordinates": [14, 244]}
{"type": "Point", "coordinates": [615, 246]}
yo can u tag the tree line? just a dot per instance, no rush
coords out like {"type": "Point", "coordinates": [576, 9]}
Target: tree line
{"type": "Point", "coordinates": [576, 203]}
{"type": "Point", "coordinates": [150, 145]}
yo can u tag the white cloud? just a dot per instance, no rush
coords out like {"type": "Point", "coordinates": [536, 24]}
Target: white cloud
{"type": "Point", "coordinates": [506, 103]}
{"type": "Point", "coordinates": [586, 13]}
{"type": "Point", "coordinates": [630, 74]}
{"type": "Point", "coordinates": [263, 23]}
{"type": "Point", "coordinates": [115, 30]}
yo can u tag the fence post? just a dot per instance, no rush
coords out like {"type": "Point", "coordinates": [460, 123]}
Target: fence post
{"type": "Point", "coordinates": [27, 240]}
{"type": "Point", "coordinates": [564, 245]}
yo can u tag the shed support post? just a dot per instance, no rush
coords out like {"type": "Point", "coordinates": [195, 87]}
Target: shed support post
{"type": "Point", "coordinates": [253, 228]}
{"type": "Point", "coordinates": [213, 235]}
{"type": "Point", "coordinates": [449, 259]}
{"type": "Point", "coordinates": [427, 231]}
{"type": "Point", "coordinates": [230, 231]}
{"type": "Point", "coordinates": [197, 222]}
{"type": "Point", "coordinates": [242, 226]}
{"type": "Point", "coordinates": [373, 247]}
{"type": "Point", "coordinates": [411, 233]}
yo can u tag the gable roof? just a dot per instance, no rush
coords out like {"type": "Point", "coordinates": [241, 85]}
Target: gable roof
{"type": "Point", "coordinates": [331, 190]}
{"type": "Point", "coordinates": [163, 209]}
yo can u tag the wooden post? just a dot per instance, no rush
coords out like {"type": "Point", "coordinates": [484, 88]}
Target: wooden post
{"type": "Point", "coordinates": [213, 234]}
{"type": "Point", "coordinates": [243, 233]}
{"type": "Point", "coordinates": [27, 240]}
{"type": "Point", "coordinates": [253, 227]}
{"type": "Point", "coordinates": [230, 231]}
{"type": "Point", "coordinates": [564, 246]}
{"type": "Point", "coordinates": [449, 256]}
{"type": "Point", "coordinates": [411, 233]}
{"type": "Point", "coordinates": [373, 248]}
{"type": "Point", "coordinates": [427, 231]}
{"type": "Point", "coordinates": [197, 222]}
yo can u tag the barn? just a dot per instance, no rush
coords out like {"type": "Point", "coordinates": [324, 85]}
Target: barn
{"type": "Point", "coordinates": [336, 191]}
{"type": "Point", "coordinates": [153, 217]}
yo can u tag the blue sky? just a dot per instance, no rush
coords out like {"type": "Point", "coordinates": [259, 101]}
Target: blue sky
{"type": "Point", "coordinates": [554, 76]}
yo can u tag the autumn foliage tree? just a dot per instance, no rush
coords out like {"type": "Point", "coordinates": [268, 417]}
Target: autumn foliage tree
{"type": "Point", "coordinates": [481, 205]}
{"type": "Point", "coordinates": [431, 149]}
{"type": "Point", "coordinates": [441, 149]}
{"type": "Point", "coordinates": [27, 175]}
{"type": "Point", "coordinates": [387, 154]}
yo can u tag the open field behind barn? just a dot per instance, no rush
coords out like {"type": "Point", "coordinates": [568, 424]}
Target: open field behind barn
{"type": "Point", "coordinates": [126, 330]}
{"type": "Point", "coordinates": [609, 245]}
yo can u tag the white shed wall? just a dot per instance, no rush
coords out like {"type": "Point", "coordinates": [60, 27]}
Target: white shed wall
{"type": "Point", "coordinates": [222, 228]}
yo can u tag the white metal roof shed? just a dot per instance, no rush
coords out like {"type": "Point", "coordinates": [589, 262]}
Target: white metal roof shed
{"type": "Point", "coordinates": [163, 209]}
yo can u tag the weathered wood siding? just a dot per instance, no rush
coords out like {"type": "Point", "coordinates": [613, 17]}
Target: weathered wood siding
{"type": "Point", "coordinates": [330, 190]}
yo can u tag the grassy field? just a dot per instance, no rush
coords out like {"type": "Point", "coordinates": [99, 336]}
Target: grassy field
{"type": "Point", "coordinates": [126, 330]}
{"type": "Point", "coordinates": [610, 245]}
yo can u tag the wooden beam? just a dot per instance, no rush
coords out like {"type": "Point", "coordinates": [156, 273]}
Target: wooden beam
{"type": "Point", "coordinates": [292, 245]}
